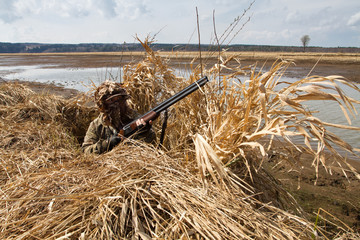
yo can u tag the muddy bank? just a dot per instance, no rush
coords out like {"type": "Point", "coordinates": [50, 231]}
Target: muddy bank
{"type": "Point", "coordinates": [44, 88]}
{"type": "Point", "coordinates": [334, 191]}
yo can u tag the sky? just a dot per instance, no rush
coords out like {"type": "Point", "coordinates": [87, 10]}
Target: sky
{"type": "Point", "coordinates": [329, 23]}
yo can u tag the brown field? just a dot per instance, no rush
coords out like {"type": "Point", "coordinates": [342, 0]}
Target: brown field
{"type": "Point", "coordinates": [307, 56]}
{"type": "Point", "coordinates": [322, 64]}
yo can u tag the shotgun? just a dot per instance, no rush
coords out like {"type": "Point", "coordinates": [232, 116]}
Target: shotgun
{"type": "Point", "coordinates": [154, 113]}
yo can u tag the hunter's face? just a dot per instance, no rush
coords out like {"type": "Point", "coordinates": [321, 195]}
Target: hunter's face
{"type": "Point", "coordinates": [117, 102]}
{"type": "Point", "coordinates": [115, 108]}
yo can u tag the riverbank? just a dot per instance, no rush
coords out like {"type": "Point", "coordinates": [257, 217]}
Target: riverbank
{"type": "Point", "coordinates": [335, 194]}
{"type": "Point", "coordinates": [44, 88]}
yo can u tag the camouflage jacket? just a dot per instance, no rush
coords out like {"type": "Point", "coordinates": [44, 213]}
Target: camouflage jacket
{"type": "Point", "coordinates": [98, 134]}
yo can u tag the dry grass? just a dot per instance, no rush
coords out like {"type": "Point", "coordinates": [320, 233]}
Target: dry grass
{"type": "Point", "coordinates": [235, 115]}
{"type": "Point", "coordinates": [207, 181]}
{"type": "Point", "coordinates": [137, 192]}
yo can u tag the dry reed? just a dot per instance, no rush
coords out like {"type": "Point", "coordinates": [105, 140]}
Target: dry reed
{"type": "Point", "coordinates": [207, 181]}
{"type": "Point", "coordinates": [237, 115]}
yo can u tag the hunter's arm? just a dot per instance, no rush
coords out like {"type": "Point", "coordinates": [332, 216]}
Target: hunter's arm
{"type": "Point", "coordinates": [93, 143]}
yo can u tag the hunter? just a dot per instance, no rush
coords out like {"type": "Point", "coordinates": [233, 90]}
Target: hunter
{"type": "Point", "coordinates": [102, 134]}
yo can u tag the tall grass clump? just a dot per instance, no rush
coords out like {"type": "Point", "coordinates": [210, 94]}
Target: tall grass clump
{"type": "Point", "coordinates": [38, 130]}
{"type": "Point", "coordinates": [246, 112]}
{"type": "Point", "coordinates": [248, 115]}
{"type": "Point", "coordinates": [205, 182]}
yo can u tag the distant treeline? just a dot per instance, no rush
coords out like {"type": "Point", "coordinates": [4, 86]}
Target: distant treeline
{"type": "Point", "coordinates": [127, 47]}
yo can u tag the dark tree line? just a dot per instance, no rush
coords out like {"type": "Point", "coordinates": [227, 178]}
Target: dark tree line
{"type": "Point", "coordinates": [126, 47]}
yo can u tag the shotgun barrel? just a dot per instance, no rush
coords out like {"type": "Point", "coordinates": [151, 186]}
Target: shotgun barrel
{"type": "Point", "coordinates": [154, 113]}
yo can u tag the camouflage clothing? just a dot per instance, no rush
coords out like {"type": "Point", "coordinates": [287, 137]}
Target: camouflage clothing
{"type": "Point", "coordinates": [115, 113]}
{"type": "Point", "coordinates": [98, 135]}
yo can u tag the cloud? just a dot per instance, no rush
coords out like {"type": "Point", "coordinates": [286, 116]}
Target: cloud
{"type": "Point", "coordinates": [107, 8]}
{"type": "Point", "coordinates": [277, 22]}
{"type": "Point", "coordinates": [13, 10]}
{"type": "Point", "coordinates": [7, 11]}
{"type": "Point", "coordinates": [354, 20]}
{"type": "Point", "coordinates": [130, 9]}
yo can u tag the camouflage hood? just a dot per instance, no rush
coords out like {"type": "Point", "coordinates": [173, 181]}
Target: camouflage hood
{"type": "Point", "coordinates": [106, 90]}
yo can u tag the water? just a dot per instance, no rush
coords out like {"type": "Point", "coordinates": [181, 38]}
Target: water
{"type": "Point", "coordinates": [82, 78]}
{"type": "Point", "coordinates": [330, 111]}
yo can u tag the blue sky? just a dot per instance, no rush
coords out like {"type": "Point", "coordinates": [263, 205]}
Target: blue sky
{"type": "Point", "coordinates": [329, 23]}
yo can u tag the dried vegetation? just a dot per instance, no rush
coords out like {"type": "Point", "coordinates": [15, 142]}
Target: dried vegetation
{"type": "Point", "coordinates": [205, 182]}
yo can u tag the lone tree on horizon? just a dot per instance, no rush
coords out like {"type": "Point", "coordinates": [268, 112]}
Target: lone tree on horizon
{"type": "Point", "coordinates": [305, 41]}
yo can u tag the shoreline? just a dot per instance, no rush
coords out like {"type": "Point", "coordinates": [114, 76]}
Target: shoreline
{"type": "Point", "coordinates": [336, 196]}
{"type": "Point", "coordinates": [45, 88]}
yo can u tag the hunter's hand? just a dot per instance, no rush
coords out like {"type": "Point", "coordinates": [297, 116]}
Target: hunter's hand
{"type": "Point", "coordinates": [140, 123]}
{"type": "Point", "coordinates": [113, 141]}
